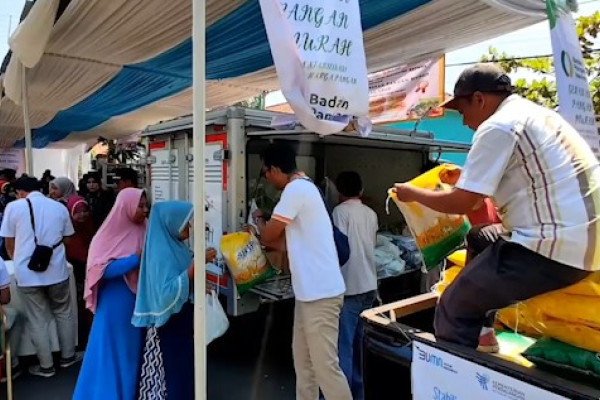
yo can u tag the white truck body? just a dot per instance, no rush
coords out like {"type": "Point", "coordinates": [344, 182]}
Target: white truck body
{"type": "Point", "coordinates": [235, 139]}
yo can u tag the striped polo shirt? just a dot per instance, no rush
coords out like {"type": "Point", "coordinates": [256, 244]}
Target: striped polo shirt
{"type": "Point", "coordinates": [543, 177]}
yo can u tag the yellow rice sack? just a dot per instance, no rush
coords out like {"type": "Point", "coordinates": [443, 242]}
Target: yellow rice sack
{"type": "Point", "coordinates": [584, 310]}
{"type": "Point", "coordinates": [576, 335]}
{"type": "Point", "coordinates": [590, 286]}
{"type": "Point", "coordinates": [518, 319]}
{"type": "Point", "coordinates": [448, 277]}
{"type": "Point", "coordinates": [246, 260]}
{"type": "Point", "coordinates": [436, 234]}
{"type": "Point", "coordinates": [458, 258]}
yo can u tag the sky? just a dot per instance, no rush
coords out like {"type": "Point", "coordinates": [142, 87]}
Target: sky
{"type": "Point", "coordinates": [10, 11]}
{"type": "Point", "coordinates": [531, 41]}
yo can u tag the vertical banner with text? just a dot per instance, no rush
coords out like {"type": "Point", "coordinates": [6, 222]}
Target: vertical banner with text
{"type": "Point", "coordinates": [575, 101]}
{"type": "Point", "coordinates": [317, 47]}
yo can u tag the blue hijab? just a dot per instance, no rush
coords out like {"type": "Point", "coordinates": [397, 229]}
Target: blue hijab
{"type": "Point", "coordinates": [164, 286]}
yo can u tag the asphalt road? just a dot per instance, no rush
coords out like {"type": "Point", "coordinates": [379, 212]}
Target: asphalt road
{"type": "Point", "coordinates": [252, 361]}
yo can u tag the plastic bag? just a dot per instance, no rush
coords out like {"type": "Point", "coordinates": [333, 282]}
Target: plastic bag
{"type": "Point", "coordinates": [216, 319]}
{"type": "Point", "coordinates": [246, 260]}
{"type": "Point", "coordinates": [436, 234]}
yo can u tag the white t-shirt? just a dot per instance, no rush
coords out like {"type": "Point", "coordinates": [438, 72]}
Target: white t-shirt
{"type": "Point", "coordinates": [543, 177]}
{"type": "Point", "coordinates": [4, 276]}
{"type": "Point", "coordinates": [52, 223]}
{"type": "Point", "coordinates": [311, 249]}
{"type": "Point", "coordinates": [359, 223]}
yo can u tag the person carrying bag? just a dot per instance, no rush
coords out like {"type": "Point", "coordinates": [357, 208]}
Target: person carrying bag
{"type": "Point", "coordinates": [40, 259]}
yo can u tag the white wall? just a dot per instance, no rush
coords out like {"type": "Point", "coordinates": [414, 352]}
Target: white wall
{"type": "Point", "coordinates": [62, 162]}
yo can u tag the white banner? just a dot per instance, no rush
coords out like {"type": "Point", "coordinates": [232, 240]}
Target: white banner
{"type": "Point", "coordinates": [317, 47]}
{"type": "Point", "coordinates": [13, 159]}
{"type": "Point", "coordinates": [437, 375]}
{"type": "Point", "coordinates": [575, 101]}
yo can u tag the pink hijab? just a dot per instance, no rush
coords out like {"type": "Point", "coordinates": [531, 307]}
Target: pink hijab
{"type": "Point", "coordinates": [118, 237]}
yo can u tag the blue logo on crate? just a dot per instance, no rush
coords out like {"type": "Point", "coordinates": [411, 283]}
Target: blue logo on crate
{"type": "Point", "coordinates": [483, 380]}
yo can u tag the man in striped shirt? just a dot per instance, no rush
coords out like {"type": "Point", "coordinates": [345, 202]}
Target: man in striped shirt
{"type": "Point", "coordinates": [545, 180]}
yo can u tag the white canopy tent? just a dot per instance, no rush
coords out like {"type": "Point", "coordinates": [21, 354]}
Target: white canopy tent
{"type": "Point", "coordinates": [57, 64]}
{"type": "Point", "coordinates": [93, 41]}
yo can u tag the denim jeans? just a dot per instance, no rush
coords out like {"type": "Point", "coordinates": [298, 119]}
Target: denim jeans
{"type": "Point", "coordinates": [350, 339]}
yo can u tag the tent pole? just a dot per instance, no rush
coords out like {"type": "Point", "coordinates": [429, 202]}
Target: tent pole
{"type": "Point", "coordinates": [199, 137]}
{"type": "Point", "coordinates": [26, 126]}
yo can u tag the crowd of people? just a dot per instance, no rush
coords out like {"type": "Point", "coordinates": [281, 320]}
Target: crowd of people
{"type": "Point", "coordinates": [46, 225]}
{"type": "Point", "coordinates": [134, 272]}
{"type": "Point", "coordinates": [531, 187]}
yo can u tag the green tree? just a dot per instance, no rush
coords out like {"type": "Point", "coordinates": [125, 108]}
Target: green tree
{"type": "Point", "coordinates": [543, 90]}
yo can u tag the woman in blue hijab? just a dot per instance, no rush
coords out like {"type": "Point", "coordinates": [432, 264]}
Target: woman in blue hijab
{"type": "Point", "coordinates": [162, 302]}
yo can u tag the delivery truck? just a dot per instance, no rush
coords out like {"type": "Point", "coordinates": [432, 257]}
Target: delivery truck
{"type": "Point", "coordinates": [235, 140]}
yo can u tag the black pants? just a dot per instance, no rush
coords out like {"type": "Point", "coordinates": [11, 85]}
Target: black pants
{"type": "Point", "coordinates": [84, 316]}
{"type": "Point", "coordinates": [177, 347]}
{"type": "Point", "coordinates": [505, 273]}
{"type": "Point", "coordinates": [479, 238]}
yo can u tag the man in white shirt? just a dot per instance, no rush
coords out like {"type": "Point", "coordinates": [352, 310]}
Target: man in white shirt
{"type": "Point", "coordinates": [11, 321]}
{"type": "Point", "coordinates": [318, 284]}
{"type": "Point", "coordinates": [545, 180]}
{"type": "Point", "coordinates": [44, 293]}
{"type": "Point", "coordinates": [359, 223]}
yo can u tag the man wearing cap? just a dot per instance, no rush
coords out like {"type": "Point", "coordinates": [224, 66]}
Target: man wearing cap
{"type": "Point", "coordinates": [545, 180]}
{"type": "Point", "coordinates": [30, 221]}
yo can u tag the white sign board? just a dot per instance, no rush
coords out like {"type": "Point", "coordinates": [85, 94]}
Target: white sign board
{"type": "Point", "coordinates": [164, 176]}
{"type": "Point", "coordinates": [318, 51]}
{"type": "Point", "coordinates": [13, 159]}
{"type": "Point", "coordinates": [437, 375]}
{"type": "Point", "coordinates": [213, 192]}
{"type": "Point", "coordinates": [575, 101]}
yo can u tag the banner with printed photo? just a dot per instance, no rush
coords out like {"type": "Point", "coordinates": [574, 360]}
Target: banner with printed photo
{"type": "Point", "coordinates": [318, 51]}
{"type": "Point", "coordinates": [407, 92]}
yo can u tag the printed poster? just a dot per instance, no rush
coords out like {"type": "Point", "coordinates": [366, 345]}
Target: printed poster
{"type": "Point", "coordinates": [13, 159]}
{"type": "Point", "coordinates": [407, 92]}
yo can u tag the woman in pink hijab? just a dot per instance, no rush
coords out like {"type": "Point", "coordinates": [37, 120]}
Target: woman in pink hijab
{"type": "Point", "coordinates": [111, 363]}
